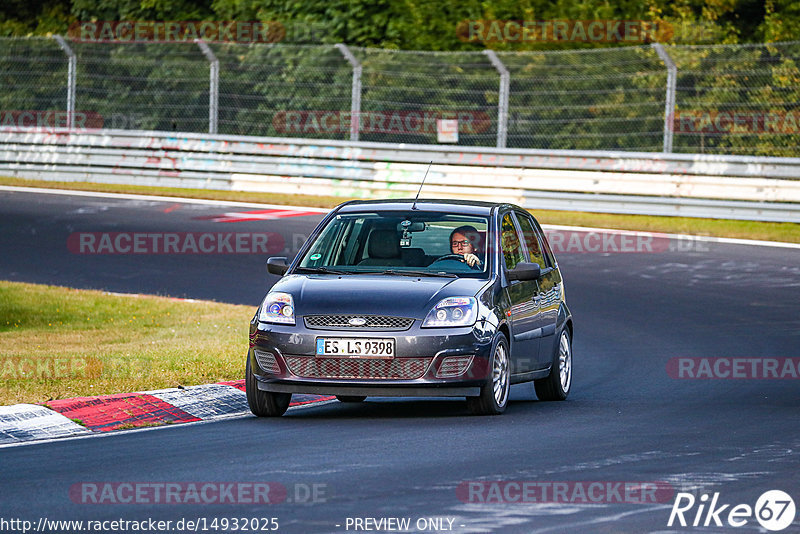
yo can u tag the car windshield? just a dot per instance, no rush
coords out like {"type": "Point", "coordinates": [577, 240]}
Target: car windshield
{"type": "Point", "coordinates": [419, 243]}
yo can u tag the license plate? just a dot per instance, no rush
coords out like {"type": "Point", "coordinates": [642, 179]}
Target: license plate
{"type": "Point", "coordinates": [355, 347]}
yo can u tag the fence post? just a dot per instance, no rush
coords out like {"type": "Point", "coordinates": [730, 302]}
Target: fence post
{"type": "Point", "coordinates": [502, 102]}
{"type": "Point", "coordinates": [213, 86]}
{"type": "Point", "coordinates": [71, 77]}
{"type": "Point", "coordinates": [355, 98]}
{"type": "Point", "coordinates": [669, 106]}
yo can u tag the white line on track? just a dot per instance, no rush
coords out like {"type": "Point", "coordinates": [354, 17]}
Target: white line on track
{"type": "Point", "coordinates": [613, 517]}
{"type": "Point", "coordinates": [95, 194]}
{"type": "Point", "coordinates": [702, 238]}
{"type": "Point", "coordinates": [126, 196]}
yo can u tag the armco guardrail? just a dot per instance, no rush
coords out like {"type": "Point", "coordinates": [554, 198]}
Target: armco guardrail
{"type": "Point", "coordinates": [740, 187]}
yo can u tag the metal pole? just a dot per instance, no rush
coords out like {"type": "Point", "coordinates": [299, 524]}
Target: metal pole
{"type": "Point", "coordinates": [502, 101]}
{"type": "Point", "coordinates": [669, 105]}
{"type": "Point", "coordinates": [213, 86]}
{"type": "Point", "coordinates": [355, 98]}
{"type": "Point", "coordinates": [71, 67]}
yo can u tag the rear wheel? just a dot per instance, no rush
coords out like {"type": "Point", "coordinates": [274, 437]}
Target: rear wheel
{"type": "Point", "coordinates": [264, 403]}
{"type": "Point", "coordinates": [494, 394]}
{"type": "Point", "coordinates": [556, 385]}
{"type": "Point", "coordinates": [351, 398]}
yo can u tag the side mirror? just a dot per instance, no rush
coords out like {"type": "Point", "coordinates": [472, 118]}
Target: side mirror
{"type": "Point", "coordinates": [277, 265]}
{"type": "Point", "coordinates": [525, 271]}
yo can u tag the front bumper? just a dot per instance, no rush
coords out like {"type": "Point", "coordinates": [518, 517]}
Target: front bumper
{"type": "Point", "coordinates": [423, 357]}
{"type": "Point", "coordinates": [369, 391]}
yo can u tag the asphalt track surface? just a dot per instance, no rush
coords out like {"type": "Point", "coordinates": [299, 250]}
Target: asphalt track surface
{"type": "Point", "coordinates": [625, 420]}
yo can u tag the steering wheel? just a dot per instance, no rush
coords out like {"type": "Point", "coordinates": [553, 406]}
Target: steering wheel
{"type": "Point", "coordinates": [454, 257]}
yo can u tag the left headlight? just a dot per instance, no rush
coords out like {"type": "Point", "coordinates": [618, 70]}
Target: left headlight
{"type": "Point", "coordinates": [452, 311]}
{"type": "Point", "coordinates": [277, 308]}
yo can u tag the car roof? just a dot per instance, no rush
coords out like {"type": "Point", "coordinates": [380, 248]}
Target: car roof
{"type": "Point", "coordinates": [466, 207]}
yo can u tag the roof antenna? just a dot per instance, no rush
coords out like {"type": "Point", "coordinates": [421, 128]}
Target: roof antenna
{"type": "Point", "coordinates": [414, 205]}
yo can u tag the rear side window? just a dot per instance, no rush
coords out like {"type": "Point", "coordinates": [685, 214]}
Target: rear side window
{"type": "Point", "coordinates": [531, 241]}
{"type": "Point", "coordinates": [543, 240]}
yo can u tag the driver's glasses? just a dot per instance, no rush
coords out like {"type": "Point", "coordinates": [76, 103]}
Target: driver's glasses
{"type": "Point", "coordinates": [464, 243]}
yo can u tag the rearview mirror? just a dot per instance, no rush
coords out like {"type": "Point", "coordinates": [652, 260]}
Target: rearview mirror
{"type": "Point", "coordinates": [417, 226]}
{"type": "Point", "coordinates": [277, 265]}
{"type": "Point", "coordinates": [525, 271]}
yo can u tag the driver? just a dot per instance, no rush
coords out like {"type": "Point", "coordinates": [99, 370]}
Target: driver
{"type": "Point", "coordinates": [462, 242]}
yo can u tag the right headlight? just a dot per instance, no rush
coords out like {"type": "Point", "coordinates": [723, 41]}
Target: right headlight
{"type": "Point", "coordinates": [277, 308]}
{"type": "Point", "coordinates": [452, 311]}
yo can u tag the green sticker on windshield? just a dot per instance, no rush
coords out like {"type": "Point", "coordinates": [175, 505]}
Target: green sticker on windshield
{"type": "Point", "coordinates": [316, 256]}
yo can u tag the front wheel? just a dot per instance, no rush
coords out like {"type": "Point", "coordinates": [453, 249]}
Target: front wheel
{"type": "Point", "coordinates": [556, 386]}
{"type": "Point", "coordinates": [264, 403]}
{"type": "Point", "coordinates": [494, 394]}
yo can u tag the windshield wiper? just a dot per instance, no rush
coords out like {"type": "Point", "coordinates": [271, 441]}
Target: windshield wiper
{"type": "Point", "coordinates": [413, 273]}
{"type": "Point", "coordinates": [322, 270]}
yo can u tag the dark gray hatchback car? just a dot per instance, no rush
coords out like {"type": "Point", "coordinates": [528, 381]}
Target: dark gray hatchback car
{"type": "Point", "coordinates": [402, 298]}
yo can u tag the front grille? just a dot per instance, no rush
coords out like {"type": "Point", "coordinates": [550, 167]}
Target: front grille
{"type": "Point", "coordinates": [453, 366]}
{"type": "Point", "coordinates": [394, 369]}
{"type": "Point", "coordinates": [267, 362]}
{"type": "Point", "coordinates": [373, 322]}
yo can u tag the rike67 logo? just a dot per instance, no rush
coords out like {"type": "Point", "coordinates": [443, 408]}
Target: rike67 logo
{"type": "Point", "coordinates": [774, 510]}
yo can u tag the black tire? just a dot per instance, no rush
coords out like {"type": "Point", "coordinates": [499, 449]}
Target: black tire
{"type": "Point", "coordinates": [264, 403]}
{"type": "Point", "coordinates": [556, 386]}
{"type": "Point", "coordinates": [489, 403]}
{"type": "Point", "coordinates": [350, 398]}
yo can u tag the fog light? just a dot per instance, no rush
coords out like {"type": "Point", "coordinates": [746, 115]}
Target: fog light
{"type": "Point", "coordinates": [454, 366]}
{"type": "Point", "coordinates": [267, 362]}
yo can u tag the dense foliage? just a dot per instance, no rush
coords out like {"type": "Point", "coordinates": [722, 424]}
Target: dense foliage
{"type": "Point", "coordinates": [563, 95]}
{"type": "Point", "coordinates": [422, 24]}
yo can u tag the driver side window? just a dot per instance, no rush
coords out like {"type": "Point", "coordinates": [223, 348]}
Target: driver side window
{"type": "Point", "coordinates": [512, 250]}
